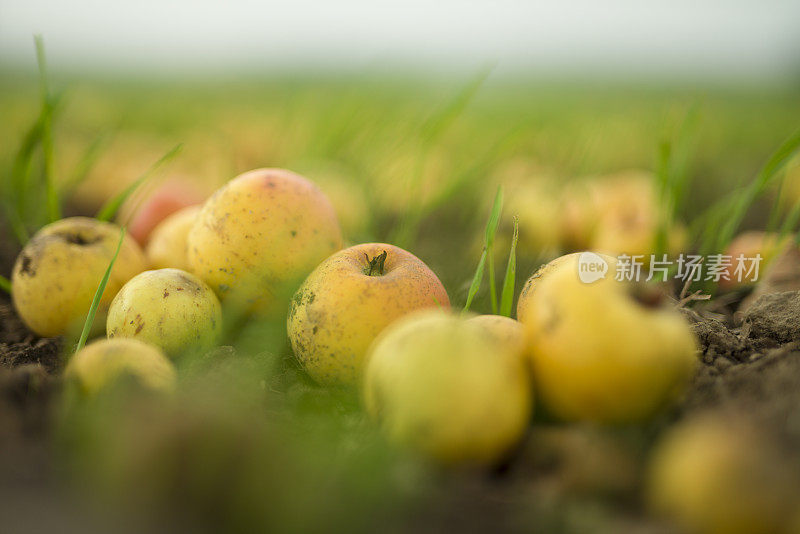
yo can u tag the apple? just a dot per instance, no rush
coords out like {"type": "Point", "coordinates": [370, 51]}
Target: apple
{"type": "Point", "coordinates": [525, 296]}
{"type": "Point", "coordinates": [59, 270]}
{"type": "Point", "coordinates": [604, 350]}
{"type": "Point", "coordinates": [101, 362]}
{"type": "Point", "coordinates": [167, 244]}
{"type": "Point", "coordinates": [504, 330]}
{"type": "Point", "coordinates": [259, 235]}
{"type": "Point", "coordinates": [349, 299]}
{"type": "Point", "coordinates": [716, 473]}
{"type": "Point", "coordinates": [445, 388]}
{"type": "Point", "coordinates": [168, 308]}
{"type": "Point", "coordinates": [165, 201]}
{"type": "Point", "coordinates": [749, 245]}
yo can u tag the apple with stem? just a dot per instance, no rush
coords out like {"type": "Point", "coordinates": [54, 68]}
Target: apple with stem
{"type": "Point", "coordinates": [349, 299]}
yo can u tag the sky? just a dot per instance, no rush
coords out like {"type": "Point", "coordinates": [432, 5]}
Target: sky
{"type": "Point", "coordinates": [746, 39]}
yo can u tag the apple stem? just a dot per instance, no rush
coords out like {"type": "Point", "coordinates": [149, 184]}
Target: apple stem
{"type": "Point", "coordinates": [375, 265]}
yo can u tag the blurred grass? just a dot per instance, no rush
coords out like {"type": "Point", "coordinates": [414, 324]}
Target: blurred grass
{"type": "Point", "coordinates": [420, 181]}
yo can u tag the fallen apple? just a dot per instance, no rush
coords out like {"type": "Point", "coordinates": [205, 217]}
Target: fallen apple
{"type": "Point", "coordinates": [168, 308]}
{"type": "Point", "coordinates": [504, 331]}
{"type": "Point", "coordinates": [601, 349]}
{"type": "Point", "coordinates": [100, 363]}
{"type": "Point", "coordinates": [349, 299]}
{"type": "Point", "coordinates": [59, 270]}
{"type": "Point", "coordinates": [165, 201]}
{"type": "Point", "coordinates": [167, 244]}
{"type": "Point", "coordinates": [259, 235]}
{"type": "Point", "coordinates": [747, 249]}
{"type": "Point", "coordinates": [445, 388]}
{"type": "Point", "coordinates": [715, 473]}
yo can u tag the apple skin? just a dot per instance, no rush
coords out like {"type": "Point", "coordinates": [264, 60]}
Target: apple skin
{"type": "Point", "coordinates": [714, 472]}
{"type": "Point", "coordinates": [504, 330]}
{"type": "Point", "coordinates": [339, 310]}
{"type": "Point", "coordinates": [600, 355]}
{"type": "Point", "coordinates": [617, 214]}
{"type": "Point", "coordinates": [526, 294]}
{"type": "Point", "coordinates": [443, 387]}
{"type": "Point", "coordinates": [259, 235]}
{"type": "Point", "coordinates": [167, 244]}
{"type": "Point", "coordinates": [59, 270]}
{"type": "Point", "coordinates": [168, 308]}
{"type": "Point", "coordinates": [749, 244]}
{"type": "Point", "coordinates": [101, 362]}
{"type": "Point", "coordinates": [165, 201]}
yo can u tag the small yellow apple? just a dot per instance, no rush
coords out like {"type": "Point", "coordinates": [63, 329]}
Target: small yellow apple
{"type": "Point", "coordinates": [59, 270]}
{"type": "Point", "coordinates": [166, 246]}
{"type": "Point", "coordinates": [444, 387]}
{"type": "Point", "coordinates": [714, 473]}
{"type": "Point", "coordinates": [168, 308]}
{"type": "Point", "coordinates": [260, 234]}
{"type": "Point", "coordinates": [349, 299]}
{"type": "Point", "coordinates": [100, 363]}
{"type": "Point", "coordinates": [604, 350]}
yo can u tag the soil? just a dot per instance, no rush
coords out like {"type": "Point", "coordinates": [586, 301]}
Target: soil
{"type": "Point", "coordinates": [580, 477]}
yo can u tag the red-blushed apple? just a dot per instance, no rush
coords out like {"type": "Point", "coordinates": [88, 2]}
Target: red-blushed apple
{"type": "Point", "coordinates": [349, 299]}
{"type": "Point", "coordinates": [165, 201]}
{"type": "Point", "coordinates": [258, 237]}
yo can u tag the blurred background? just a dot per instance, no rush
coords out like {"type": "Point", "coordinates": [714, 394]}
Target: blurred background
{"type": "Point", "coordinates": [745, 41]}
{"type": "Point", "coordinates": [624, 126]}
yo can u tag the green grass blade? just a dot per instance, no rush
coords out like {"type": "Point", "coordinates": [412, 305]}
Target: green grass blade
{"type": "Point", "coordinates": [5, 284]}
{"type": "Point", "coordinates": [492, 277]}
{"type": "Point", "coordinates": [110, 208]}
{"type": "Point", "coordinates": [476, 281]}
{"type": "Point", "coordinates": [494, 218]}
{"type": "Point", "coordinates": [765, 178]}
{"type": "Point", "coordinates": [510, 280]}
{"type": "Point", "coordinates": [51, 191]}
{"type": "Point", "coordinates": [87, 326]}
{"type": "Point", "coordinates": [672, 173]}
{"type": "Point", "coordinates": [491, 230]}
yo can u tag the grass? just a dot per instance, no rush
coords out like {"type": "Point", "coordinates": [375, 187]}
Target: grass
{"type": "Point", "coordinates": [53, 202]}
{"type": "Point", "coordinates": [718, 226]}
{"type": "Point", "coordinates": [510, 279]}
{"type": "Point", "coordinates": [5, 284]}
{"type": "Point", "coordinates": [488, 247]}
{"type": "Point", "coordinates": [98, 295]}
{"type": "Point", "coordinates": [112, 206]}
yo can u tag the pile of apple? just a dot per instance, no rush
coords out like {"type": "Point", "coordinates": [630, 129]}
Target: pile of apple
{"type": "Point", "coordinates": [455, 388]}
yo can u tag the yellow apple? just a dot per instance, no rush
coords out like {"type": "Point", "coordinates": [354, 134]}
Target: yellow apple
{"type": "Point", "coordinates": [349, 299]}
{"type": "Point", "coordinates": [166, 246]}
{"type": "Point", "coordinates": [59, 270]}
{"type": "Point", "coordinates": [260, 234]}
{"type": "Point", "coordinates": [714, 473]}
{"type": "Point", "coordinates": [604, 350]}
{"type": "Point", "coordinates": [444, 387]}
{"type": "Point", "coordinates": [168, 308]}
{"type": "Point", "coordinates": [504, 330]}
{"type": "Point", "coordinates": [100, 363]}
